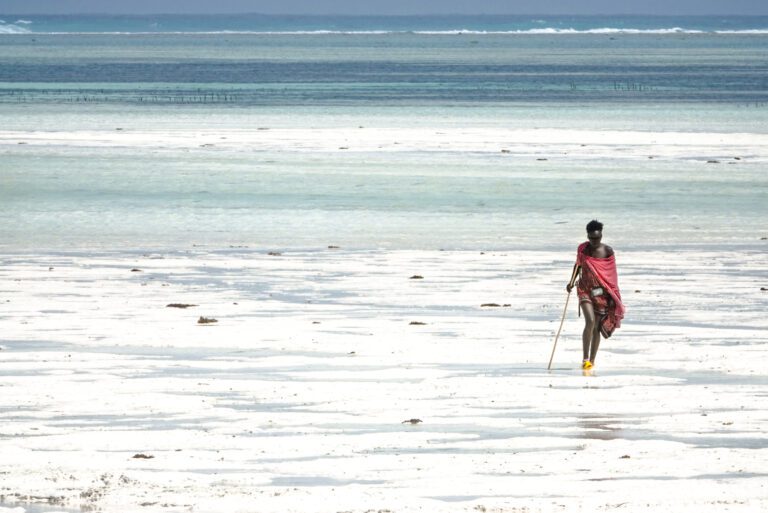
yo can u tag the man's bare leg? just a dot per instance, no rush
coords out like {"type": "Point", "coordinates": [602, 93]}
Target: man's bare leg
{"type": "Point", "coordinates": [595, 340]}
{"type": "Point", "coordinates": [590, 323]}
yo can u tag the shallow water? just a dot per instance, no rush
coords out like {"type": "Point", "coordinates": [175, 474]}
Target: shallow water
{"type": "Point", "coordinates": [175, 195]}
{"type": "Point", "coordinates": [38, 507]}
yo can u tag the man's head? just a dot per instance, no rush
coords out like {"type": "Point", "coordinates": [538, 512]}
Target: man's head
{"type": "Point", "coordinates": [594, 232]}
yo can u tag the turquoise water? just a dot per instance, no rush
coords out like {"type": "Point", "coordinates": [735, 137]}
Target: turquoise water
{"type": "Point", "coordinates": [239, 70]}
{"type": "Point", "coordinates": [404, 201]}
{"type": "Point", "coordinates": [95, 79]}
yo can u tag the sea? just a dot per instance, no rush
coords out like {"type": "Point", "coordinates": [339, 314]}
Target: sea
{"type": "Point", "coordinates": [182, 75]}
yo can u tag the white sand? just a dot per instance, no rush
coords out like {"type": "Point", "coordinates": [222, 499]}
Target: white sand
{"type": "Point", "coordinates": [545, 142]}
{"type": "Point", "coordinates": [267, 411]}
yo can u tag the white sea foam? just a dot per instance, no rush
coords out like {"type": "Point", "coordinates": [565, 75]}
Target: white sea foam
{"type": "Point", "coordinates": [551, 30]}
{"type": "Point", "coordinates": [10, 28]}
{"type": "Point", "coordinates": [24, 22]}
{"type": "Point", "coordinates": [673, 30]}
{"type": "Point", "coordinates": [754, 31]}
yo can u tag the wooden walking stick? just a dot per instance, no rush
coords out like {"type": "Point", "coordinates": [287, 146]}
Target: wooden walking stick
{"type": "Point", "coordinates": [562, 320]}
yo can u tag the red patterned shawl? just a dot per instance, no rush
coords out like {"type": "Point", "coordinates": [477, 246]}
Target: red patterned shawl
{"type": "Point", "coordinates": [604, 270]}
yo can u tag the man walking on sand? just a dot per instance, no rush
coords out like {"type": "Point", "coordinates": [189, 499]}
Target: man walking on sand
{"type": "Point", "coordinates": [598, 289]}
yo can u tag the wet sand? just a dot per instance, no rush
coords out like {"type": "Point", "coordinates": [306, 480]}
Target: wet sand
{"type": "Point", "coordinates": [299, 397]}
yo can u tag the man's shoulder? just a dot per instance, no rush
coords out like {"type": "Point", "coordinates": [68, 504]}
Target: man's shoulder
{"type": "Point", "coordinates": [608, 250]}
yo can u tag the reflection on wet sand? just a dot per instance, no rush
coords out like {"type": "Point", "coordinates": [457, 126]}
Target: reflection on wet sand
{"type": "Point", "coordinates": [599, 427]}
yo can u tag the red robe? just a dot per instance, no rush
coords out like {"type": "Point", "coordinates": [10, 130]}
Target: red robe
{"type": "Point", "coordinates": [604, 269]}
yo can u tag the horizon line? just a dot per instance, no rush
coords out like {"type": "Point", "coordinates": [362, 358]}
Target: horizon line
{"type": "Point", "coordinates": [376, 14]}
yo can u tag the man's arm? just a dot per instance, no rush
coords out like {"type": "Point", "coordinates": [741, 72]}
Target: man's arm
{"type": "Point", "coordinates": [574, 275]}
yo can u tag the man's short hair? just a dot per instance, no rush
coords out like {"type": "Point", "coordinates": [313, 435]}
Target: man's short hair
{"type": "Point", "coordinates": [594, 226]}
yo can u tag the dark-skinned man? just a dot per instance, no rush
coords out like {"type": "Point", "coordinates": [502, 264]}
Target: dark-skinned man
{"type": "Point", "coordinates": [598, 289]}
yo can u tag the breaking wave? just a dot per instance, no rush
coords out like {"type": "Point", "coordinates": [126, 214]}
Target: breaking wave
{"type": "Point", "coordinates": [13, 28]}
{"type": "Point", "coordinates": [16, 28]}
